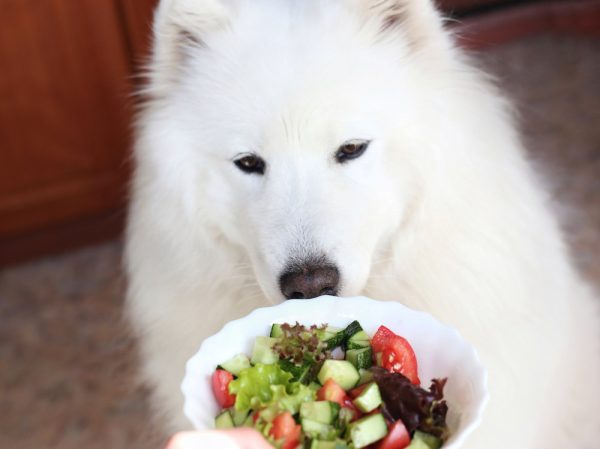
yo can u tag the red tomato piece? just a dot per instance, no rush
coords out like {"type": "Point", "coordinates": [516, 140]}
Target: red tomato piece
{"type": "Point", "coordinates": [285, 430]}
{"type": "Point", "coordinates": [398, 355]}
{"type": "Point", "coordinates": [397, 437]}
{"type": "Point", "coordinates": [381, 337]}
{"type": "Point", "coordinates": [220, 386]}
{"type": "Point", "coordinates": [331, 391]}
{"type": "Point", "coordinates": [293, 439]}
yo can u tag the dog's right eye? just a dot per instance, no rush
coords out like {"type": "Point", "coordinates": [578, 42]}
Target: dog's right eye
{"type": "Point", "coordinates": [250, 163]}
{"type": "Point", "coordinates": [351, 149]}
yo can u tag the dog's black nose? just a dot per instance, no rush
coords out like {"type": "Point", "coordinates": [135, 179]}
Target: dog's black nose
{"type": "Point", "coordinates": [309, 280]}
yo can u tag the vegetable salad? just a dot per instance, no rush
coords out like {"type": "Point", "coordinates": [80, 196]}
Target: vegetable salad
{"type": "Point", "coordinates": [322, 387]}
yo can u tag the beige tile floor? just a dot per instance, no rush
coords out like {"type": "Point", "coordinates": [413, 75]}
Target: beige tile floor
{"type": "Point", "coordinates": [67, 362]}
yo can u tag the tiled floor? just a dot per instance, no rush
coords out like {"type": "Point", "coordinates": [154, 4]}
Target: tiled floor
{"type": "Point", "coordinates": [66, 360]}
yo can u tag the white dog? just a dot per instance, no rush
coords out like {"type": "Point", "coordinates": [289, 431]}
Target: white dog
{"type": "Point", "coordinates": [292, 148]}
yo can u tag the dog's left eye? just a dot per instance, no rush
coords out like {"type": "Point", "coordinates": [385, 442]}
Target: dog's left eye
{"type": "Point", "coordinates": [351, 149]}
{"type": "Point", "coordinates": [250, 163]}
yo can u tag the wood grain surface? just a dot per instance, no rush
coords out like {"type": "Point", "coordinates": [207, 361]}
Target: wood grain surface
{"type": "Point", "coordinates": [138, 16]}
{"type": "Point", "coordinates": [64, 83]}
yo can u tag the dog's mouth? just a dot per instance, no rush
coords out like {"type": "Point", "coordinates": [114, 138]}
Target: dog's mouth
{"type": "Point", "coordinates": [310, 278]}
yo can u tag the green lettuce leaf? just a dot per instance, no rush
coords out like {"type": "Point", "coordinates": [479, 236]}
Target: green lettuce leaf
{"type": "Point", "coordinates": [300, 393]}
{"type": "Point", "coordinates": [263, 385]}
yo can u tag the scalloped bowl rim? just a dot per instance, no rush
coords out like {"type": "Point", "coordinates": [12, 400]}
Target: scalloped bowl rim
{"type": "Point", "coordinates": [267, 315]}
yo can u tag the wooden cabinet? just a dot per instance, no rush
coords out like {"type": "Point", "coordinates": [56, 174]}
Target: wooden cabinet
{"type": "Point", "coordinates": [65, 111]}
{"type": "Point", "coordinates": [138, 15]}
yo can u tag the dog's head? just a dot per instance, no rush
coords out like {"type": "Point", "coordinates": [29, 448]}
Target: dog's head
{"type": "Point", "coordinates": [299, 127]}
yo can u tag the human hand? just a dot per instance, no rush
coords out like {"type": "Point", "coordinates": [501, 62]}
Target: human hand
{"type": "Point", "coordinates": [219, 439]}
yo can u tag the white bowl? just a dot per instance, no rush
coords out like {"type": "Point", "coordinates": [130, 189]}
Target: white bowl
{"type": "Point", "coordinates": [440, 350]}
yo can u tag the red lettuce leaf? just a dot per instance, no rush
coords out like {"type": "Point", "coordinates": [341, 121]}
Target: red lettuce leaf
{"type": "Point", "coordinates": [417, 408]}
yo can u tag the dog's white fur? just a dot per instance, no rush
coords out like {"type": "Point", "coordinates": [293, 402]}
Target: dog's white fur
{"type": "Point", "coordinates": [442, 213]}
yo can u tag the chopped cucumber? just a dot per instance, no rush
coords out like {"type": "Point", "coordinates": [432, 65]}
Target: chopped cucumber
{"type": "Point", "coordinates": [353, 328]}
{"type": "Point", "coordinates": [369, 399]}
{"type": "Point", "coordinates": [248, 422]}
{"type": "Point", "coordinates": [318, 444]}
{"type": "Point", "coordinates": [367, 430]}
{"type": "Point", "coordinates": [341, 372]}
{"type": "Point", "coordinates": [337, 444]}
{"type": "Point", "coordinates": [325, 412]}
{"type": "Point", "coordinates": [357, 344]}
{"type": "Point", "coordinates": [263, 351]}
{"type": "Point", "coordinates": [333, 336]}
{"type": "Point", "coordinates": [379, 358]}
{"type": "Point", "coordinates": [236, 364]}
{"type": "Point", "coordinates": [224, 420]}
{"type": "Point", "coordinates": [318, 430]}
{"type": "Point", "coordinates": [276, 331]}
{"type": "Point", "coordinates": [328, 332]}
{"type": "Point", "coordinates": [365, 376]}
{"type": "Point", "coordinates": [355, 337]}
{"type": "Point", "coordinates": [417, 444]}
{"type": "Point", "coordinates": [422, 440]}
{"type": "Point", "coordinates": [314, 386]}
{"type": "Point", "coordinates": [358, 340]}
{"type": "Point", "coordinates": [238, 417]}
{"type": "Point", "coordinates": [268, 414]}
{"type": "Point", "coordinates": [304, 373]}
{"type": "Point", "coordinates": [361, 358]}
{"type": "Point", "coordinates": [345, 416]}
{"type": "Point", "coordinates": [360, 336]}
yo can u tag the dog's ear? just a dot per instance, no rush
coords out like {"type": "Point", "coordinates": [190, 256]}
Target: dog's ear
{"type": "Point", "coordinates": [418, 20]}
{"type": "Point", "coordinates": [178, 26]}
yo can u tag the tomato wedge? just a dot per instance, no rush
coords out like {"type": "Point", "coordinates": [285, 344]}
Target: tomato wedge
{"type": "Point", "coordinates": [285, 430]}
{"type": "Point", "coordinates": [380, 339]}
{"type": "Point", "coordinates": [331, 391]}
{"type": "Point", "coordinates": [398, 355]}
{"type": "Point", "coordinates": [400, 358]}
{"type": "Point", "coordinates": [397, 437]}
{"type": "Point", "coordinates": [220, 386]}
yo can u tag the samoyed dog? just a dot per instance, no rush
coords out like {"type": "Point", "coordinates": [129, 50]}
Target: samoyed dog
{"type": "Point", "coordinates": [294, 148]}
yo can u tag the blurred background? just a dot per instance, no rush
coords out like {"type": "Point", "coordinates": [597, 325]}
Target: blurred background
{"type": "Point", "coordinates": [67, 74]}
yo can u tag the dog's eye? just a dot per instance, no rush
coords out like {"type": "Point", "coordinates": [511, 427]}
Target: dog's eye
{"type": "Point", "coordinates": [250, 163]}
{"type": "Point", "coordinates": [351, 149]}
